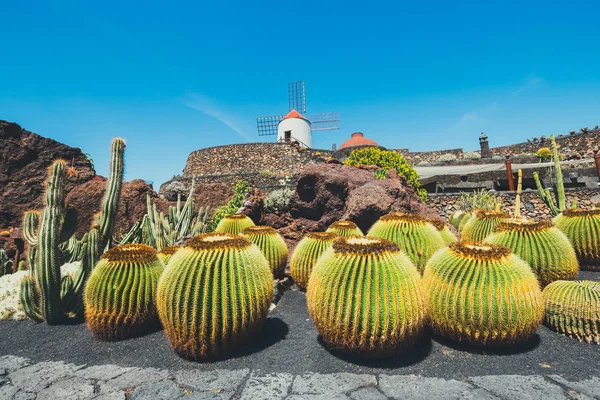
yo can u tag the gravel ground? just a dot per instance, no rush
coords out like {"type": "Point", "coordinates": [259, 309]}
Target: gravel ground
{"type": "Point", "coordinates": [289, 344]}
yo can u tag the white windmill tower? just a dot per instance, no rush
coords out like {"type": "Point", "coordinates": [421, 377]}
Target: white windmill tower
{"type": "Point", "coordinates": [296, 127]}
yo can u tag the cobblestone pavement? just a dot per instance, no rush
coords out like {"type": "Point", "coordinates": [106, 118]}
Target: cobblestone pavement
{"type": "Point", "coordinates": [20, 378]}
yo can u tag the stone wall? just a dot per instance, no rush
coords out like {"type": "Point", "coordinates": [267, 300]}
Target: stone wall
{"type": "Point", "coordinates": [532, 205]}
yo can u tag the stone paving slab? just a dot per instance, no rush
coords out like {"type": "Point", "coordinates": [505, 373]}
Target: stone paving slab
{"type": "Point", "coordinates": [21, 378]}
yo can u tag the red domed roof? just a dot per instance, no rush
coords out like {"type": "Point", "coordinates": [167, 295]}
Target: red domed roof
{"type": "Point", "coordinates": [294, 114]}
{"type": "Point", "coordinates": [358, 139]}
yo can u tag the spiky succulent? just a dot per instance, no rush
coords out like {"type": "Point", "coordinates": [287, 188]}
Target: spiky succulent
{"type": "Point", "coordinates": [365, 297]}
{"type": "Point", "coordinates": [215, 295]}
{"type": "Point", "coordinates": [416, 236]}
{"type": "Point", "coordinates": [582, 227]}
{"type": "Point", "coordinates": [463, 222]}
{"type": "Point", "coordinates": [272, 245]}
{"type": "Point", "coordinates": [443, 229]}
{"type": "Point", "coordinates": [120, 295]}
{"type": "Point", "coordinates": [456, 217]}
{"type": "Point", "coordinates": [234, 223]}
{"type": "Point", "coordinates": [345, 228]}
{"type": "Point", "coordinates": [573, 309]}
{"type": "Point", "coordinates": [481, 224]}
{"type": "Point", "coordinates": [165, 254]}
{"type": "Point", "coordinates": [545, 248]}
{"type": "Point", "coordinates": [482, 295]}
{"type": "Point", "coordinates": [306, 253]}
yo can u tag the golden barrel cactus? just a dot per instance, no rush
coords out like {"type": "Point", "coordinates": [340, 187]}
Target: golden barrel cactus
{"type": "Point", "coordinates": [415, 235]}
{"type": "Point", "coordinates": [215, 295]}
{"type": "Point", "coordinates": [573, 309]}
{"type": "Point", "coordinates": [365, 297]}
{"type": "Point", "coordinates": [306, 254]}
{"type": "Point", "coordinates": [234, 224]}
{"type": "Point", "coordinates": [481, 224]}
{"type": "Point", "coordinates": [456, 217]}
{"type": "Point", "coordinates": [463, 222]}
{"type": "Point", "coordinates": [165, 254]}
{"type": "Point", "coordinates": [482, 295]}
{"type": "Point", "coordinates": [120, 295]}
{"type": "Point", "coordinates": [345, 228]}
{"type": "Point", "coordinates": [272, 245]}
{"type": "Point", "coordinates": [545, 248]}
{"type": "Point", "coordinates": [443, 229]}
{"type": "Point", "coordinates": [582, 227]}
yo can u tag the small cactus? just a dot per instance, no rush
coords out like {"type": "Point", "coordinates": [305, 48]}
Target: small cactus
{"type": "Point", "coordinates": [481, 224]}
{"type": "Point", "coordinates": [582, 227]}
{"type": "Point", "coordinates": [120, 294]}
{"type": "Point", "coordinates": [166, 253]}
{"type": "Point", "coordinates": [482, 295]}
{"type": "Point", "coordinates": [365, 297]}
{"type": "Point", "coordinates": [573, 309]}
{"type": "Point", "coordinates": [345, 228]}
{"type": "Point", "coordinates": [545, 248]}
{"type": "Point", "coordinates": [463, 222]}
{"type": "Point", "coordinates": [215, 295]}
{"type": "Point", "coordinates": [456, 217]}
{"type": "Point", "coordinates": [416, 236]}
{"type": "Point", "coordinates": [272, 245]}
{"type": "Point", "coordinates": [306, 253]}
{"type": "Point", "coordinates": [443, 229]}
{"type": "Point", "coordinates": [234, 224]}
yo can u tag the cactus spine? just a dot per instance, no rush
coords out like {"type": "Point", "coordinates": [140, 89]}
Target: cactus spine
{"type": "Point", "coordinates": [120, 294]}
{"type": "Point", "coordinates": [272, 245]}
{"type": "Point", "coordinates": [215, 295]}
{"type": "Point", "coordinates": [559, 188]}
{"type": "Point", "coordinates": [573, 309]}
{"type": "Point", "coordinates": [582, 227]}
{"type": "Point", "coordinates": [482, 295]}
{"type": "Point", "coordinates": [442, 228]}
{"type": "Point", "coordinates": [234, 224]}
{"type": "Point", "coordinates": [306, 254]}
{"type": "Point", "coordinates": [345, 228]}
{"type": "Point", "coordinates": [481, 224]}
{"type": "Point", "coordinates": [365, 297]}
{"type": "Point", "coordinates": [417, 237]}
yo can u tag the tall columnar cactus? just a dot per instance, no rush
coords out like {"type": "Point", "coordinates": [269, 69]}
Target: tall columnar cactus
{"type": "Point", "coordinates": [345, 228]}
{"type": "Point", "coordinates": [365, 297]}
{"type": "Point", "coordinates": [234, 223]}
{"type": "Point", "coordinates": [416, 236]}
{"type": "Point", "coordinates": [120, 295]}
{"type": "Point", "coordinates": [456, 217]}
{"type": "Point", "coordinates": [443, 229]}
{"type": "Point", "coordinates": [559, 187]}
{"type": "Point", "coordinates": [582, 227]}
{"type": "Point", "coordinates": [272, 245]}
{"type": "Point", "coordinates": [306, 254]}
{"type": "Point", "coordinates": [482, 295]}
{"type": "Point", "coordinates": [215, 295]}
{"type": "Point", "coordinates": [31, 225]}
{"type": "Point", "coordinates": [573, 309]}
{"type": "Point", "coordinates": [545, 248]}
{"type": "Point", "coordinates": [481, 224]}
{"type": "Point", "coordinates": [165, 254]}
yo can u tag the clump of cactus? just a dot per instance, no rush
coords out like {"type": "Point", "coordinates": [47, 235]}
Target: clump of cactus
{"type": "Point", "coordinates": [416, 236]}
{"type": "Point", "coordinates": [6, 264]}
{"type": "Point", "coordinates": [44, 295]}
{"type": "Point", "coordinates": [482, 295]}
{"type": "Point", "coordinates": [120, 295]}
{"type": "Point", "coordinates": [456, 217]}
{"type": "Point", "coordinates": [582, 227]}
{"type": "Point", "coordinates": [345, 228]}
{"type": "Point", "coordinates": [306, 254]}
{"type": "Point", "coordinates": [481, 224]}
{"type": "Point", "coordinates": [215, 295]}
{"type": "Point", "coordinates": [365, 297]}
{"type": "Point", "coordinates": [234, 224]}
{"type": "Point", "coordinates": [559, 187]}
{"type": "Point", "coordinates": [573, 309]}
{"type": "Point", "coordinates": [272, 245]}
{"type": "Point", "coordinates": [443, 229]}
{"type": "Point", "coordinates": [164, 255]}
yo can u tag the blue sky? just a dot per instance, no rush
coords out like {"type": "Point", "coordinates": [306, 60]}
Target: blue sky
{"type": "Point", "coordinates": [172, 77]}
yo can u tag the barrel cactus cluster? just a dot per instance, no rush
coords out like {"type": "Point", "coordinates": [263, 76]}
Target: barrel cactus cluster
{"type": "Point", "coordinates": [582, 227]}
{"type": "Point", "coordinates": [345, 228]}
{"type": "Point", "coordinates": [443, 229]}
{"type": "Point", "coordinates": [481, 224]}
{"type": "Point", "coordinates": [306, 254]}
{"type": "Point", "coordinates": [234, 224]}
{"type": "Point", "coordinates": [272, 245]}
{"type": "Point", "coordinates": [165, 254]}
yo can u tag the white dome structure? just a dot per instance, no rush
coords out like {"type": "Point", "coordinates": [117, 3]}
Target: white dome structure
{"type": "Point", "coordinates": [294, 127]}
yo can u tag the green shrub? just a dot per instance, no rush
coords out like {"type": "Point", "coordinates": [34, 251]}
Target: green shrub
{"type": "Point", "coordinates": [471, 155]}
{"type": "Point", "coordinates": [447, 157]}
{"type": "Point", "coordinates": [240, 190]}
{"type": "Point", "coordinates": [481, 199]}
{"type": "Point", "coordinates": [278, 200]}
{"type": "Point", "coordinates": [381, 174]}
{"type": "Point", "coordinates": [386, 160]}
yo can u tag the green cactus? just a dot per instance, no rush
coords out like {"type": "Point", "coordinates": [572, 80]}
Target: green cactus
{"type": "Point", "coordinates": [573, 309]}
{"type": "Point", "coordinates": [443, 229]}
{"type": "Point", "coordinates": [545, 248]}
{"type": "Point", "coordinates": [559, 189]}
{"type": "Point", "coordinates": [6, 264]}
{"type": "Point", "coordinates": [456, 217]}
{"type": "Point", "coordinates": [582, 227]}
{"type": "Point", "coordinates": [120, 295]}
{"type": "Point", "coordinates": [165, 254]}
{"type": "Point", "coordinates": [234, 223]}
{"type": "Point", "coordinates": [306, 254]}
{"type": "Point", "coordinates": [482, 295]}
{"type": "Point", "coordinates": [365, 297]}
{"type": "Point", "coordinates": [272, 245]}
{"type": "Point", "coordinates": [417, 237]}
{"type": "Point", "coordinates": [215, 295]}
{"type": "Point", "coordinates": [345, 228]}
{"type": "Point", "coordinates": [463, 222]}
{"type": "Point", "coordinates": [481, 225]}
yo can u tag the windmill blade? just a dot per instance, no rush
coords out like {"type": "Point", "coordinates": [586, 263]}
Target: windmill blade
{"type": "Point", "coordinates": [325, 121]}
{"type": "Point", "coordinates": [268, 125]}
{"type": "Point", "coordinates": [297, 96]}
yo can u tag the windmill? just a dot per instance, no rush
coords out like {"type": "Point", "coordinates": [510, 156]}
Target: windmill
{"type": "Point", "coordinates": [296, 126]}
